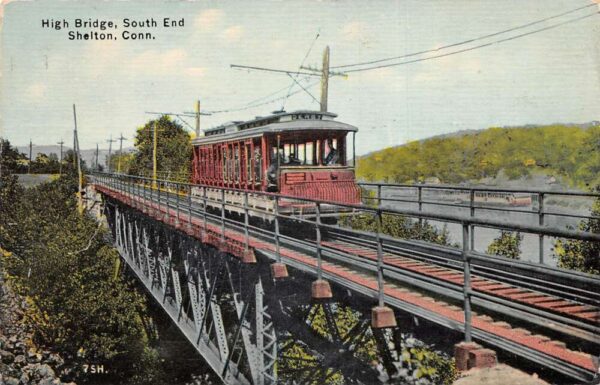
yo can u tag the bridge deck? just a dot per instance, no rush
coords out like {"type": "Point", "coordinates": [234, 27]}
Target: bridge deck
{"type": "Point", "coordinates": [500, 334]}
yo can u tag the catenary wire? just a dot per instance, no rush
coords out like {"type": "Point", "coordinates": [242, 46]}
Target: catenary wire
{"type": "Point", "coordinates": [466, 41]}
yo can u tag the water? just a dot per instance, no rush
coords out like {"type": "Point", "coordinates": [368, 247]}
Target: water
{"type": "Point", "coordinates": [571, 205]}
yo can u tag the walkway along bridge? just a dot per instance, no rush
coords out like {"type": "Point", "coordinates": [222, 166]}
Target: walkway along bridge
{"type": "Point", "coordinates": [240, 292]}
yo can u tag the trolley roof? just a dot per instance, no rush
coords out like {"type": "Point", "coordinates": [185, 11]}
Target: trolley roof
{"type": "Point", "coordinates": [279, 122]}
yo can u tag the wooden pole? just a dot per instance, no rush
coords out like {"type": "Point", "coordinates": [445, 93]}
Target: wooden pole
{"type": "Point", "coordinates": [121, 138]}
{"type": "Point", "coordinates": [61, 156]}
{"type": "Point", "coordinates": [110, 142]}
{"type": "Point", "coordinates": [325, 80]}
{"type": "Point", "coordinates": [197, 118]}
{"type": "Point", "coordinates": [79, 173]}
{"type": "Point", "coordinates": [29, 165]}
{"type": "Point", "coordinates": [154, 160]}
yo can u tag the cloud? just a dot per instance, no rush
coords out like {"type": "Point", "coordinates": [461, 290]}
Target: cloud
{"type": "Point", "coordinates": [234, 33]}
{"type": "Point", "coordinates": [387, 75]}
{"type": "Point", "coordinates": [104, 55]}
{"type": "Point", "coordinates": [355, 31]}
{"type": "Point", "coordinates": [448, 69]}
{"type": "Point", "coordinates": [36, 91]}
{"type": "Point", "coordinates": [196, 71]}
{"type": "Point", "coordinates": [158, 62]}
{"type": "Point", "coordinates": [208, 18]}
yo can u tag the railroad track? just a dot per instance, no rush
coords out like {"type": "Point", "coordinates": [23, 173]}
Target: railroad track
{"type": "Point", "coordinates": [572, 295]}
{"type": "Point", "coordinates": [564, 304]}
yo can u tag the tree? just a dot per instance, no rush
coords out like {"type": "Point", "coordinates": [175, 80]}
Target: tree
{"type": "Point", "coordinates": [10, 157]}
{"type": "Point", "coordinates": [125, 159]}
{"type": "Point", "coordinates": [60, 262]}
{"type": "Point", "coordinates": [398, 227]}
{"type": "Point", "coordinates": [508, 244]}
{"type": "Point", "coordinates": [568, 151]}
{"type": "Point", "coordinates": [174, 150]}
{"type": "Point", "coordinates": [581, 255]}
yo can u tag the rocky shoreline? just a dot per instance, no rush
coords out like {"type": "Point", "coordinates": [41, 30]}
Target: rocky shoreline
{"type": "Point", "coordinates": [23, 363]}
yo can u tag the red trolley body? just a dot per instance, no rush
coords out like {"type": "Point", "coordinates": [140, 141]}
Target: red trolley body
{"type": "Point", "coordinates": [302, 154]}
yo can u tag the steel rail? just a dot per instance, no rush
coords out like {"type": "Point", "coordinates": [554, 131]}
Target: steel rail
{"type": "Point", "coordinates": [481, 188]}
{"type": "Point", "coordinates": [520, 283]}
{"type": "Point", "coordinates": [171, 201]}
{"type": "Point", "coordinates": [460, 219]}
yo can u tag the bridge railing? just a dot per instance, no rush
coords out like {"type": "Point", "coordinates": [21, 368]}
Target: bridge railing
{"type": "Point", "coordinates": [525, 205]}
{"type": "Point", "coordinates": [180, 198]}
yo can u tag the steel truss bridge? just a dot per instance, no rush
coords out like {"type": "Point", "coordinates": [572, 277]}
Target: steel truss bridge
{"type": "Point", "coordinates": [247, 293]}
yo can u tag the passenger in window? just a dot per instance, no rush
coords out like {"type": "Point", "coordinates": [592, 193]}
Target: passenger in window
{"type": "Point", "coordinates": [272, 172]}
{"type": "Point", "coordinates": [293, 160]}
{"type": "Point", "coordinates": [333, 157]}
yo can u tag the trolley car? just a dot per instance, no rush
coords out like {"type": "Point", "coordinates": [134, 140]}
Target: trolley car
{"type": "Point", "coordinates": [300, 154]}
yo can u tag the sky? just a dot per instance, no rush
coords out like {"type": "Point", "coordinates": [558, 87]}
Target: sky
{"type": "Point", "coordinates": [547, 77]}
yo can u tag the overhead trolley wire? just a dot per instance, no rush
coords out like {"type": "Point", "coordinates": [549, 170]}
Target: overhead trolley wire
{"type": "Point", "coordinates": [466, 41]}
{"type": "Point", "coordinates": [295, 76]}
{"type": "Point", "coordinates": [247, 107]}
{"type": "Point", "coordinates": [477, 46]}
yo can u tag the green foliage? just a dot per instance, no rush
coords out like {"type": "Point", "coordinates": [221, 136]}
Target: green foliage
{"type": "Point", "coordinates": [426, 364]}
{"type": "Point", "coordinates": [297, 357]}
{"type": "Point", "coordinates": [61, 262]}
{"type": "Point", "coordinates": [508, 244]}
{"type": "Point", "coordinates": [18, 163]}
{"type": "Point", "coordinates": [581, 255]}
{"type": "Point", "coordinates": [420, 363]}
{"type": "Point", "coordinates": [174, 150]}
{"type": "Point", "coordinates": [11, 160]}
{"type": "Point", "coordinates": [568, 151]}
{"type": "Point", "coordinates": [398, 227]}
{"type": "Point", "coordinates": [125, 161]}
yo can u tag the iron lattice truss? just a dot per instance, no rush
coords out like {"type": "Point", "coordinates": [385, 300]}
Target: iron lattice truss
{"type": "Point", "coordinates": [248, 327]}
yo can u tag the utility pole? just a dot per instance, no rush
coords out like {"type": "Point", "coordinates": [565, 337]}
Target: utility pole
{"type": "Point", "coordinates": [154, 160]}
{"type": "Point", "coordinates": [325, 80]}
{"type": "Point", "coordinates": [29, 165]}
{"type": "Point", "coordinates": [1, 153]}
{"type": "Point", "coordinates": [110, 142]}
{"type": "Point", "coordinates": [97, 168]}
{"type": "Point", "coordinates": [61, 156]}
{"type": "Point", "coordinates": [121, 138]}
{"type": "Point", "coordinates": [78, 156]}
{"type": "Point", "coordinates": [197, 118]}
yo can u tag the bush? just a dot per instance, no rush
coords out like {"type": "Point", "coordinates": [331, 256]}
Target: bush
{"type": "Point", "coordinates": [508, 244]}
{"type": "Point", "coordinates": [398, 227]}
{"type": "Point", "coordinates": [62, 264]}
{"type": "Point", "coordinates": [580, 255]}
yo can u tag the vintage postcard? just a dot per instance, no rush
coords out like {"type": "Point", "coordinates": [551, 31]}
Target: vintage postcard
{"type": "Point", "coordinates": [300, 192]}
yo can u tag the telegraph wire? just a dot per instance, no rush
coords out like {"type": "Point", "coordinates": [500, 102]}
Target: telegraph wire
{"type": "Point", "coordinates": [477, 46]}
{"type": "Point", "coordinates": [271, 94]}
{"type": "Point", "coordinates": [466, 41]}
{"type": "Point", "coordinates": [178, 116]}
{"type": "Point", "coordinates": [301, 86]}
{"type": "Point", "coordinates": [295, 77]}
{"type": "Point", "coordinates": [242, 67]}
{"type": "Point", "coordinates": [247, 107]}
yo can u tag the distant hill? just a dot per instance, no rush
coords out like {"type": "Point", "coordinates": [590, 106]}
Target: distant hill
{"type": "Point", "coordinates": [568, 151]}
